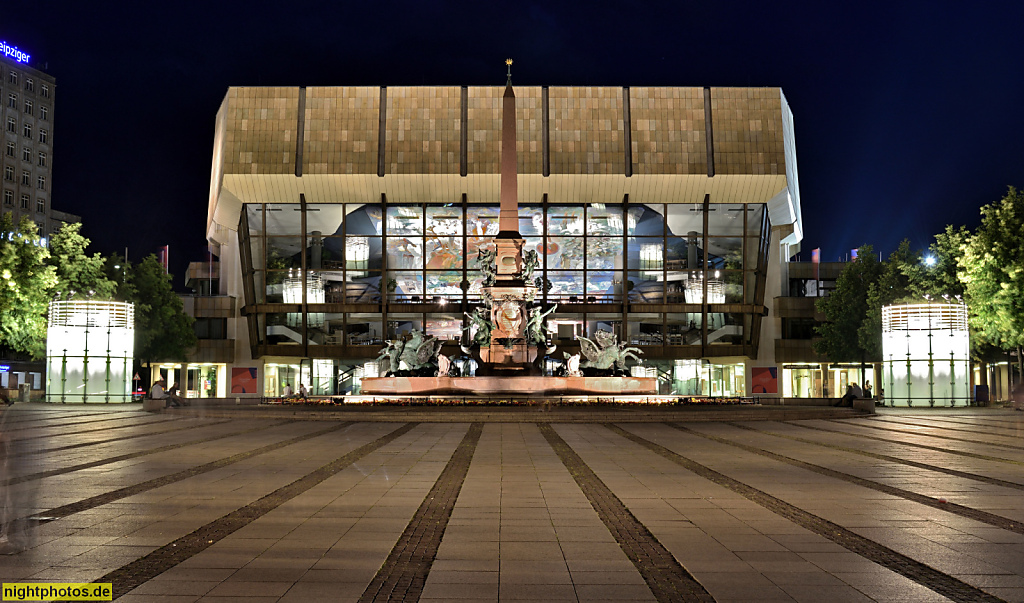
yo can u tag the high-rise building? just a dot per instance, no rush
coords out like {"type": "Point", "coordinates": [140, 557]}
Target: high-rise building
{"type": "Point", "coordinates": [28, 97]}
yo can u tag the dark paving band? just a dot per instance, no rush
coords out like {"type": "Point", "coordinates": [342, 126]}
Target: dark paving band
{"type": "Point", "coordinates": [118, 439]}
{"type": "Point", "coordinates": [121, 417]}
{"type": "Point", "coordinates": [132, 575]}
{"type": "Point", "coordinates": [62, 434]}
{"type": "Point", "coordinates": [974, 422]}
{"type": "Point", "coordinates": [926, 576]}
{"type": "Point", "coordinates": [26, 415]}
{"type": "Point", "coordinates": [108, 497]}
{"type": "Point", "coordinates": [995, 481]}
{"type": "Point", "coordinates": [976, 514]}
{"type": "Point", "coordinates": [972, 455]}
{"type": "Point", "coordinates": [667, 579]}
{"type": "Point", "coordinates": [905, 423]}
{"type": "Point", "coordinates": [939, 437]}
{"type": "Point", "coordinates": [403, 574]}
{"type": "Point", "coordinates": [132, 455]}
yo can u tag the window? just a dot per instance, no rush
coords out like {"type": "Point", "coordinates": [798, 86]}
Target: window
{"type": "Point", "coordinates": [40, 206]}
{"type": "Point", "coordinates": [29, 107]}
{"type": "Point", "coordinates": [8, 173]}
{"type": "Point", "coordinates": [41, 183]}
{"type": "Point", "coordinates": [12, 126]}
{"type": "Point", "coordinates": [24, 201]}
{"type": "Point", "coordinates": [27, 130]}
{"type": "Point", "coordinates": [10, 149]}
{"type": "Point", "coordinates": [42, 160]}
{"type": "Point", "coordinates": [30, 84]}
{"type": "Point", "coordinates": [12, 101]}
{"type": "Point", "coordinates": [42, 135]}
{"type": "Point", "coordinates": [8, 197]}
{"type": "Point", "coordinates": [44, 90]}
{"type": "Point", "coordinates": [26, 154]}
{"type": "Point", "coordinates": [210, 328]}
{"type": "Point", "coordinates": [26, 177]}
{"type": "Point", "coordinates": [12, 77]}
{"type": "Point", "coordinates": [44, 112]}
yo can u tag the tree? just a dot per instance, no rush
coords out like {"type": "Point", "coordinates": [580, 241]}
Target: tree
{"type": "Point", "coordinates": [940, 278]}
{"type": "Point", "coordinates": [162, 329]}
{"type": "Point", "coordinates": [26, 282]}
{"type": "Point", "coordinates": [78, 275]}
{"type": "Point", "coordinates": [992, 270]}
{"type": "Point", "coordinates": [846, 308]}
{"type": "Point", "coordinates": [892, 286]}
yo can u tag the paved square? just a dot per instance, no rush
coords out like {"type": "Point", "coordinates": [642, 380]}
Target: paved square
{"type": "Point", "coordinates": [910, 505]}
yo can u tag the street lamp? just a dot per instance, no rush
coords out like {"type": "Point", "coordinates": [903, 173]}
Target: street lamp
{"type": "Point", "coordinates": [929, 261]}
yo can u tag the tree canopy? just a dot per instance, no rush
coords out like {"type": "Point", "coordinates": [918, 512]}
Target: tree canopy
{"type": "Point", "coordinates": [846, 308]}
{"type": "Point", "coordinates": [79, 275]}
{"type": "Point", "coordinates": [162, 329]}
{"type": "Point", "coordinates": [992, 270]}
{"type": "Point", "coordinates": [26, 285]}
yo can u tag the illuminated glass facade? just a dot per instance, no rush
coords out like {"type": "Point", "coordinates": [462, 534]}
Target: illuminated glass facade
{"type": "Point", "coordinates": [346, 216]}
{"type": "Point", "coordinates": [374, 271]}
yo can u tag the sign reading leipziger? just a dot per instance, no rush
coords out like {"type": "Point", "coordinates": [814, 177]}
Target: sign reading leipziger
{"type": "Point", "coordinates": [13, 53]}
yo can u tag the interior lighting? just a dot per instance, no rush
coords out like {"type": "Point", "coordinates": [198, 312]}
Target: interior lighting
{"type": "Point", "coordinates": [89, 351]}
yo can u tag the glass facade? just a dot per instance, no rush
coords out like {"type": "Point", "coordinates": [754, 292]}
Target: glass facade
{"type": "Point", "coordinates": [333, 281]}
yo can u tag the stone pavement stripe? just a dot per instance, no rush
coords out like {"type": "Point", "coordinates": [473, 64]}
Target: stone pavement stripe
{"type": "Point", "coordinates": [988, 431]}
{"type": "Point", "coordinates": [108, 497]}
{"type": "Point", "coordinates": [939, 437]}
{"type": "Point", "coordinates": [132, 455]}
{"type": "Point", "coordinates": [667, 579]}
{"type": "Point", "coordinates": [404, 573]}
{"type": "Point", "coordinates": [118, 439]}
{"type": "Point", "coordinates": [130, 576]}
{"type": "Point", "coordinates": [75, 423]}
{"type": "Point", "coordinates": [973, 455]}
{"type": "Point", "coordinates": [63, 434]}
{"type": "Point", "coordinates": [891, 459]}
{"type": "Point", "coordinates": [976, 514]}
{"type": "Point", "coordinates": [943, 584]}
{"type": "Point", "coordinates": [45, 414]}
{"type": "Point", "coordinates": [974, 421]}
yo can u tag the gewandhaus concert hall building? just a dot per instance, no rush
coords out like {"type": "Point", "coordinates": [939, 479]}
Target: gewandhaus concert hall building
{"type": "Point", "coordinates": [346, 216]}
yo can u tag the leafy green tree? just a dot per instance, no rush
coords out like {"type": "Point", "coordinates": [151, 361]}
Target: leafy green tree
{"type": "Point", "coordinates": [992, 270]}
{"type": "Point", "coordinates": [941, 278]}
{"type": "Point", "coordinates": [162, 329]}
{"type": "Point", "coordinates": [78, 275]}
{"type": "Point", "coordinates": [846, 308]}
{"type": "Point", "coordinates": [891, 286]}
{"type": "Point", "coordinates": [26, 282]}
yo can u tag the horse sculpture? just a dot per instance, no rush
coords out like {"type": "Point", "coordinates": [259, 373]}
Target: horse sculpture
{"type": "Point", "coordinates": [605, 353]}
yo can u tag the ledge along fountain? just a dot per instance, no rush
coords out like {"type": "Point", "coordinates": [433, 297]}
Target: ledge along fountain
{"type": "Point", "coordinates": [507, 342]}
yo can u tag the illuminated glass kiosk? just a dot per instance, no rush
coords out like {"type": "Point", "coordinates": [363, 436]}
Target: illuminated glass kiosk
{"type": "Point", "coordinates": [926, 354]}
{"type": "Point", "coordinates": [89, 351]}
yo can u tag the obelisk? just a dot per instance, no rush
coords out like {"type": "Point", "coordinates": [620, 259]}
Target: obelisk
{"type": "Point", "coordinates": [508, 349]}
{"type": "Point", "coordinates": [509, 243]}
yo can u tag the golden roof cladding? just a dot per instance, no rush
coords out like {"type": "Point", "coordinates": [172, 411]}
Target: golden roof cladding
{"type": "Point", "coordinates": [748, 131]}
{"type": "Point", "coordinates": [261, 125]}
{"type": "Point", "coordinates": [342, 127]}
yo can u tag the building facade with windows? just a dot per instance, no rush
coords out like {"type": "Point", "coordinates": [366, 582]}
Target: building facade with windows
{"type": "Point", "coordinates": [28, 97]}
{"type": "Point", "coordinates": [346, 216]}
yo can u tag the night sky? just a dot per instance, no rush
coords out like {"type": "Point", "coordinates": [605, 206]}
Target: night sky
{"type": "Point", "coordinates": [908, 115]}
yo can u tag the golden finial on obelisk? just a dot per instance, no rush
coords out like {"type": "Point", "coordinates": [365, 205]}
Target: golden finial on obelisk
{"type": "Point", "coordinates": [509, 63]}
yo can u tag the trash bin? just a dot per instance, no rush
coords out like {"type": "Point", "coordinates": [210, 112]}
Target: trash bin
{"type": "Point", "coordinates": [981, 395]}
{"type": "Point", "coordinates": [24, 390]}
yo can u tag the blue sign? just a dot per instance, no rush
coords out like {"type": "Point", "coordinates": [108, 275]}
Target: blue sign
{"type": "Point", "coordinates": [12, 52]}
{"type": "Point", "coordinates": [5, 368]}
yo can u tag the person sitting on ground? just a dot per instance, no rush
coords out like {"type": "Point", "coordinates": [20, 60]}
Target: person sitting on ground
{"type": "Point", "coordinates": [287, 392]}
{"type": "Point", "coordinates": [5, 399]}
{"type": "Point", "coordinates": [173, 398]}
{"type": "Point", "coordinates": [302, 391]}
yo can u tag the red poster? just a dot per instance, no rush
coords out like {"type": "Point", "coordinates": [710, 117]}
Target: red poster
{"type": "Point", "coordinates": [764, 380]}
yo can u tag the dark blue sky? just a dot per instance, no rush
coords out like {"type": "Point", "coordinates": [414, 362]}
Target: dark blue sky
{"type": "Point", "coordinates": [908, 115]}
